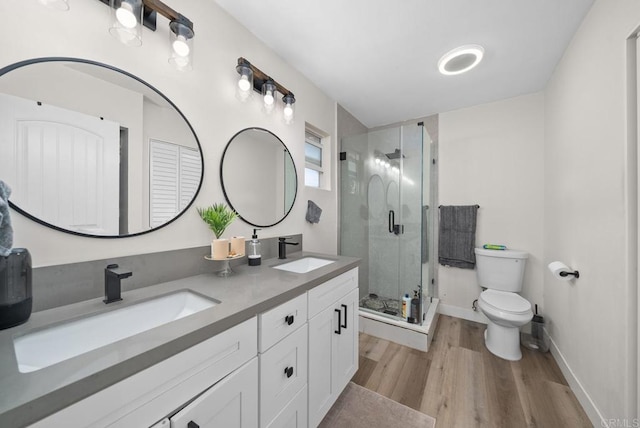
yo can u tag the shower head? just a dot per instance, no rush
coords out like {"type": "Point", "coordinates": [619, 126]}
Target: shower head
{"type": "Point", "coordinates": [397, 154]}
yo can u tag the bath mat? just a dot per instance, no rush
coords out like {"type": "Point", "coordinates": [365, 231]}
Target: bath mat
{"type": "Point", "coordinates": [358, 407]}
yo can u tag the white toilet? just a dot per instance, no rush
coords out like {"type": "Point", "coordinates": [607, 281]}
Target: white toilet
{"type": "Point", "coordinates": [501, 273]}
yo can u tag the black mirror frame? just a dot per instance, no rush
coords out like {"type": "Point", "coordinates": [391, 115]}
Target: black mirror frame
{"type": "Point", "coordinates": [7, 69]}
{"type": "Point", "coordinates": [224, 190]}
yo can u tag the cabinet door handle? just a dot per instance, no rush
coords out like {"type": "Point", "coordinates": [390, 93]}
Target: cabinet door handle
{"type": "Point", "coordinates": [339, 330]}
{"type": "Point", "coordinates": [289, 319]}
{"type": "Point", "coordinates": [345, 317]}
{"type": "Point", "coordinates": [288, 371]}
{"type": "Point", "coordinates": [192, 424]}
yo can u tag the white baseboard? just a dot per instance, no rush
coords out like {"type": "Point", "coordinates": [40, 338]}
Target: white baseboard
{"type": "Point", "coordinates": [464, 313]}
{"type": "Point", "coordinates": [583, 397]}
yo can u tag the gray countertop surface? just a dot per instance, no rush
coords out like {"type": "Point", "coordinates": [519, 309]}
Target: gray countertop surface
{"type": "Point", "coordinates": [28, 397]}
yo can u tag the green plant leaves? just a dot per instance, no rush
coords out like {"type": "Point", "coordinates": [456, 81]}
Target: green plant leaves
{"type": "Point", "coordinates": [218, 217]}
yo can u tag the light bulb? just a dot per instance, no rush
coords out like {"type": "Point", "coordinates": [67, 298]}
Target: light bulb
{"type": "Point", "coordinates": [126, 17]}
{"type": "Point", "coordinates": [268, 98]}
{"type": "Point", "coordinates": [378, 160]}
{"type": "Point", "coordinates": [386, 164]}
{"type": "Point", "coordinates": [180, 46]}
{"type": "Point", "coordinates": [244, 83]}
{"type": "Point", "coordinates": [288, 110]}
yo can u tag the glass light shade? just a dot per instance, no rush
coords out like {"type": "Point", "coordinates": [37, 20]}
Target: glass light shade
{"type": "Point", "coordinates": [289, 108]}
{"type": "Point", "coordinates": [181, 45]}
{"type": "Point", "coordinates": [61, 5]}
{"type": "Point", "coordinates": [245, 82]}
{"type": "Point", "coordinates": [126, 21]}
{"type": "Point", "coordinates": [269, 95]}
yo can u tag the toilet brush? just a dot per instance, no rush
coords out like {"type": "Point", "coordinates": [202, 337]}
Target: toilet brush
{"type": "Point", "coordinates": [537, 325]}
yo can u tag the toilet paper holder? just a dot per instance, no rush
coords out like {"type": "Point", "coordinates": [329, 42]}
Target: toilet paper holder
{"type": "Point", "coordinates": [574, 273]}
{"type": "Point", "coordinates": [562, 271]}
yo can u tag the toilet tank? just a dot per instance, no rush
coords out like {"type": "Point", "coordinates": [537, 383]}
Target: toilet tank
{"type": "Point", "coordinates": [500, 269]}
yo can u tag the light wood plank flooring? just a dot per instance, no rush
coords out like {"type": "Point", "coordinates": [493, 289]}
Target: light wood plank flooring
{"type": "Point", "coordinates": [461, 384]}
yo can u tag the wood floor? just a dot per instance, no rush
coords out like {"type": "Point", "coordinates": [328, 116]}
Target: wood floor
{"type": "Point", "coordinates": [461, 384]}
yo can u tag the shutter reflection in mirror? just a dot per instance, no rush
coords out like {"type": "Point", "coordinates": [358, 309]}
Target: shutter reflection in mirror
{"type": "Point", "coordinates": [175, 176]}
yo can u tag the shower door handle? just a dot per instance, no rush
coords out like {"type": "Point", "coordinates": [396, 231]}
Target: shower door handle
{"type": "Point", "coordinates": [393, 227]}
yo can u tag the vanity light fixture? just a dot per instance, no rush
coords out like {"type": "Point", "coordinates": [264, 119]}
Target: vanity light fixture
{"type": "Point", "coordinates": [128, 17]}
{"type": "Point", "coordinates": [460, 59]}
{"type": "Point", "coordinates": [252, 78]}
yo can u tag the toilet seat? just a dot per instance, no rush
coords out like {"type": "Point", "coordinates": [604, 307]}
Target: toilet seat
{"type": "Point", "coordinates": [505, 301]}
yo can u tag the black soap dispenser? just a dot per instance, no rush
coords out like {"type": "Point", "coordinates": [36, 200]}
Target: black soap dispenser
{"type": "Point", "coordinates": [254, 253]}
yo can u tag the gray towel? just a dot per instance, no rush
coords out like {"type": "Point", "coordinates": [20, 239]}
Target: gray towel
{"type": "Point", "coordinates": [6, 231]}
{"type": "Point", "coordinates": [313, 212]}
{"type": "Point", "coordinates": [458, 236]}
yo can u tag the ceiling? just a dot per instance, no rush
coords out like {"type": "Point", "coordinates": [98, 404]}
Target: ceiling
{"type": "Point", "coordinates": [378, 58]}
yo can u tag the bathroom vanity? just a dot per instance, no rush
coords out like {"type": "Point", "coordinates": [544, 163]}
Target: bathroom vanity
{"type": "Point", "coordinates": [274, 348]}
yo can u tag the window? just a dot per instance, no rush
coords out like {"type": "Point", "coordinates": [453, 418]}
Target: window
{"type": "Point", "coordinates": [313, 159]}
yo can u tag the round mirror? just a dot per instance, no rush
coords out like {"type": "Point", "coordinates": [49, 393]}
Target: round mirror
{"type": "Point", "coordinates": [259, 179]}
{"type": "Point", "coordinates": [92, 150]}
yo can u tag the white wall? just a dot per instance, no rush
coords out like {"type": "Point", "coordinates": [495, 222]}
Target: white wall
{"type": "Point", "coordinates": [591, 319]}
{"type": "Point", "coordinates": [492, 155]}
{"type": "Point", "coordinates": [206, 96]}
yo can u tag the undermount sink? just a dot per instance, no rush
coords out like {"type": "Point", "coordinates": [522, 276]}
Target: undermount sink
{"type": "Point", "coordinates": [304, 265]}
{"type": "Point", "coordinates": [42, 348]}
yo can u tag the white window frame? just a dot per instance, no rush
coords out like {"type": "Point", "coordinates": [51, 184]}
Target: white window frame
{"type": "Point", "coordinates": [308, 165]}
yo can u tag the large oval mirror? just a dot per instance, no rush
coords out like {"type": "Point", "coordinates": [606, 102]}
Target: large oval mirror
{"type": "Point", "coordinates": [93, 150]}
{"type": "Point", "coordinates": [258, 177]}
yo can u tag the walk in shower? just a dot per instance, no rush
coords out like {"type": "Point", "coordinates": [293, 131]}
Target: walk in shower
{"type": "Point", "coordinates": [387, 209]}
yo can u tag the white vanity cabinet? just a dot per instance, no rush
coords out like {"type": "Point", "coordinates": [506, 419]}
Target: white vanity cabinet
{"type": "Point", "coordinates": [333, 341]}
{"type": "Point", "coordinates": [283, 345]}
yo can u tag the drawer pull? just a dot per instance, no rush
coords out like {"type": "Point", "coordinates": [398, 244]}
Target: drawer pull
{"type": "Point", "coordinates": [289, 319]}
{"type": "Point", "coordinates": [339, 330]}
{"type": "Point", "coordinates": [192, 424]}
{"type": "Point", "coordinates": [288, 371]}
{"type": "Point", "coordinates": [345, 317]}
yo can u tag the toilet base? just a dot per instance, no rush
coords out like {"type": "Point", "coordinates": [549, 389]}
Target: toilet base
{"type": "Point", "coordinates": [503, 342]}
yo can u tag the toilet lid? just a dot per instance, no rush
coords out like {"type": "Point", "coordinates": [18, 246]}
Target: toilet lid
{"type": "Point", "coordinates": [506, 301]}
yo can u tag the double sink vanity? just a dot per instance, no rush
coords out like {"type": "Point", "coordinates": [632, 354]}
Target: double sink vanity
{"type": "Point", "coordinates": [270, 346]}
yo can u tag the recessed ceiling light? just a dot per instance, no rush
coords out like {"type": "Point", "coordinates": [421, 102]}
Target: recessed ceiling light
{"type": "Point", "coordinates": [460, 59]}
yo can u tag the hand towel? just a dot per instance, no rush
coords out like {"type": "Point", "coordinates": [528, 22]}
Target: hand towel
{"type": "Point", "coordinates": [457, 237]}
{"type": "Point", "coordinates": [6, 231]}
{"type": "Point", "coordinates": [313, 212]}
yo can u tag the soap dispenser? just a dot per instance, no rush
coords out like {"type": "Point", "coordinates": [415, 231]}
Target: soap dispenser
{"type": "Point", "coordinates": [254, 253]}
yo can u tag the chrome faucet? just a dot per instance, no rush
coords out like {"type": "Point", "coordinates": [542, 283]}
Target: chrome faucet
{"type": "Point", "coordinates": [282, 246]}
{"type": "Point", "coordinates": [112, 286]}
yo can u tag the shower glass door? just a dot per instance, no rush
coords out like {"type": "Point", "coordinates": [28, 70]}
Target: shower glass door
{"type": "Point", "coordinates": [383, 216]}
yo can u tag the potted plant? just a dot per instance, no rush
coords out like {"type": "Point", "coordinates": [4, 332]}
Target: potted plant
{"type": "Point", "coordinates": [218, 217]}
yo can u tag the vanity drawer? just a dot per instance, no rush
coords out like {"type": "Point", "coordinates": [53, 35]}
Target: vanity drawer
{"type": "Point", "coordinates": [283, 373]}
{"type": "Point", "coordinates": [280, 321]}
{"type": "Point", "coordinates": [326, 294]}
{"type": "Point", "coordinates": [294, 415]}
